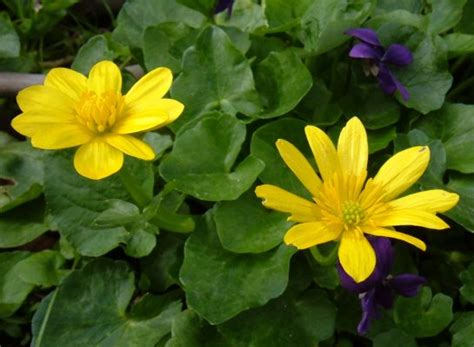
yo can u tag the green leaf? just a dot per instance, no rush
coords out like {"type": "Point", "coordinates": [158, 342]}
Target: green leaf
{"type": "Point", "coordinates": [427, 78]}
{"type": "Point", "coordinates": [135, 16]}
{"type": "Point", "coordinates": [379, 139]}
{"type": "Point", "coordinates": [162, 266]}
{"type": "Point", "coordinates": [22, 224]}
{"type": "Point", "coordinates": [204, 170]}
{"type": "Point", "coordinates": [93, 51]}
{"type": "Point", "coordinates": [204, 6]}
{"type": "Point", "coordinates": [324, 23]}
{"type": "Point", "coordinates": [263, 147]}
{"type": "Point", "coordinates": [13, 290]}
{"type": "Point", "coordinates": [118, 212]}
{"type": "Point", "coordinates": [313, 319]}
{"type": "Point", "coordinates": [20, 272]}
{"type": "Point", "coordinates": [318, 106]}
{"type": "Point", "coordinates": [247, 16]}
{"type": "Point", "coordinates": [444, 15]}
{"type": "Point", "coordinates": [21, 174]}
{"type": "Point", "coordinates": [189, 329]}
{"type": "Point", "coordinates": [375, 109]}
{"type": "Point", "coordinates": [282, 81]}
{"type": "Point", "coordinates": [142, 239]}
{"type": "Point", "coordinates": [245, 226]}
{"type": "Point", "coordinates": [285, 14]}
{"type": "Point", "coordinates": [425, 315]}
{"type": "Point", "coordinates": [107, 287]}
{"type": "Point", "coordinates": [207, 266]}
{"type": "Point", "coordinates": [433, 178]}
{"type": "Point", "coordinates": [41, 269]}
{"type": "Point", "coordinates": [9, 40]}
{"type": "Point", "coordinates": [459, 44]}
{"type": "Point", "coordinates": [394, 338]}
{"type": "Point", "coordinates": [462, 213]}
{"type": "Point", "coordinates": [215, 75]}
{"type": "Point", "coordinates": [467, 278]}
{"type": "Point", "coordinates": [454, 125]}
{"type": "Point", "coordinates": [76, 212]}
{"type": "Point", "coordinates": [463, 330]}
{"type": "Point", "coordinates": [164, 45]}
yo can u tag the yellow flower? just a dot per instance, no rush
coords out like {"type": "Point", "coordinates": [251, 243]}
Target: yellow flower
{"type": "Point", "coordinates": [71, 110]}
{"type": "Point", "coordinates": [346, 206]}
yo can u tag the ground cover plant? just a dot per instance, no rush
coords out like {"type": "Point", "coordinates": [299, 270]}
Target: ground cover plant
{"type": "Point", "coordinates": [236, 173]}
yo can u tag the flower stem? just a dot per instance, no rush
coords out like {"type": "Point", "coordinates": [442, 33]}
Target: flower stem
{"type": "Point", "coordinates": [324, 260]}
{"type": "Point", "coordinates": [134, 189]}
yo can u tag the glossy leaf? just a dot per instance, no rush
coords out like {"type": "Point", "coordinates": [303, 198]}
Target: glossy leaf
{"type": "Point", "coordinates": [204, 170]}
{"type": "Point", "coordinates": [208, 266]}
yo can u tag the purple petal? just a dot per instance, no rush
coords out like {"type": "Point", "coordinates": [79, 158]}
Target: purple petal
{"type": "Point", "coordinates": [386, 79]}
{"type": "Point", "coordinates": [384, 296]}
{"type": "Point", "coordinates": [407, 284]}
{"type": "Point", "coordinates": [369, 312]}
{"type": "Point", "coordinates": [365, 35]}
{"type": "Point", "coordinates": [403, 91]}
{"type": "Point", "coordinates": [349, 284]}
{"type": "Point", "coordinates": [224, 5]}
{"type": "Point", "coordinates": [397, 55]}
{"type": "Point", "coordinates": [365, 51]}
{"type": "Point", "coordinates": [385, 255]}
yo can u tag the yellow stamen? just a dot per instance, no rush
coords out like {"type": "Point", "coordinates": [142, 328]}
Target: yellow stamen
{"type": "Point", "coordinates": [99, 112]}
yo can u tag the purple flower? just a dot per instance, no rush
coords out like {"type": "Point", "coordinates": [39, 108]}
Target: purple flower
{"type": "Point", "coordinates": [379, 59]}
{"type": "Point", "coordinates": [223, 5]}
{"type": "Point", "coordinates": [380, 288]}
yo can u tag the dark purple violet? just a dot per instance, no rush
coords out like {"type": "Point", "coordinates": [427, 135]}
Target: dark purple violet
{"type": "Point", "coordinates": [223, 5]}
{"type": "Point", "coordinates": [379, 59]}
{"type": "Point", "coordinates": [380, 288]}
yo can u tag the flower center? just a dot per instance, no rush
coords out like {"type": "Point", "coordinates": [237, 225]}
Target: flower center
{"type": "Point", "coordinates": [352, 213]}
{"type": "Point", "coordinates": [99, 112]}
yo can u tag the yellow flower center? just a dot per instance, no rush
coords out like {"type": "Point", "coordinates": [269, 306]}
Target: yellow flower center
{"type": "Point", "coordinates": [352, 213]}
{"type": "Point", "coordinates": [99, 112]}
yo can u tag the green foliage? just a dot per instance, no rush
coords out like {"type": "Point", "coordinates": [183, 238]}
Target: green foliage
{"type": "Point", "coordinates": [178, 251]}
{"type": "Point", "coordinates": [210, 178]}
{"type": "Point", "coordinates": [208, 266]}
{"type": "Point", "coordinates": [91, 308]}
{"type": "Point", "coordinates": [425, 315]}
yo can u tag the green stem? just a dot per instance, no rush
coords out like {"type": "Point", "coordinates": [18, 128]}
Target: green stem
{"type": "Point", "coordinates": [134, 189]}
{"type": "Point", "coordinates": [322, 259]}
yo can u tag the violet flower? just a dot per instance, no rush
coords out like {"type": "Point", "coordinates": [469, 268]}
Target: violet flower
{"type": "Point", "coordinates": [379, 59]}
{"type": "Point", "coordinates": [380, 288]}
{"type": "Point", "coordinates": [223, 5]}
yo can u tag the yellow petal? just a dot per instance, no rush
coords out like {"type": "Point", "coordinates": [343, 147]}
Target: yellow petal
{"type": "Point", "coordinates": [413, 217]}
{"type": "Point", "coordinates": [172, 107]}
{"type": "Point", "coordinates": [29, 123]}
{"type": "Point", "coordinates": [97, 160]}
{"type": "Point", "coordinates": [151, 87]}
{"type": "Point", "coordinates": [61, 136]}
{"type": "Point", "coordinates": [44, 99]}
{"type": "Point", "coordinates": [353, 152]}
{"type": "Point", "coordinates": [279, 199]}
{"type": "Point", "coordinates": [402, 170]}
{"type": "Point", "coordinates": [433, 201]}
{"type": "Point", "coordinates": [131, 146]}
{"type": "Point", "coordinates": [356, 255]}
{"type": "Point", "coordinates": [105, 77]}
{"type": "Point", "coordinates": [68, 81]}
{"type": "Point", "coordinates": [324, 152]}
{"type": "Point", "coordinates": [395, 235]}
{"type": "Point", "coordinates": [307, 235]}
{"type": "Point", "coordinates": [299, 166]}
{"type": "Point", "coordinates": [141, 121]}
